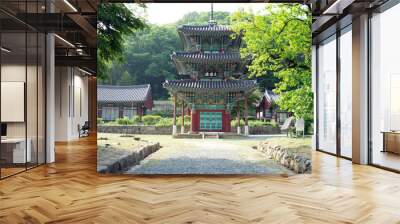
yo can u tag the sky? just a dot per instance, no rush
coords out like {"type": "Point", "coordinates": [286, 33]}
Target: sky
{"type": "Point", "coordinates": [165, 13]}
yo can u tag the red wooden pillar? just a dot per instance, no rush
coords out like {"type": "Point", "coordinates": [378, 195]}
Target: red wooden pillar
{"type": "Point", "coordinates": [227, 121]}
{"type": "Point", "coordinates": [195, 121]}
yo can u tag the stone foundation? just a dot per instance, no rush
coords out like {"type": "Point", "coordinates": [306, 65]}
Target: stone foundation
{"type": "Point", "coordinates": [128, 161]}
{"type": "Point", "coordinates": [297, 163]}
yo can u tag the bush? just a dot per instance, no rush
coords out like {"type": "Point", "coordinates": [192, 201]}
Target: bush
{"type": "Point", "coordinates": [124, 121]}
{"type": "Point", "coordinates": [151, 119]}
{"type": "Point", "coordinates": [254, 123]}
{"type": "Point", "coordinates": [164, 122]}
{"type": "Point", "coordinates": [161, 113]}
{"type": "Point", "coordinates": [168, 121]}
{"type": "Point", "coordinates": [187, 120]}
{"type": "Point", "coordinates": [136, 120]}
{"type": "Point", "coordinates": [234, 123]}
{"type": "Point", "coordinates": [100, 120]}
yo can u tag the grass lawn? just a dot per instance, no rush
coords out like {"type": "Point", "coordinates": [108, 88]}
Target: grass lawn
{"type": "Point", "coordinates": [298, 145]}
{"type": "Point", "coordinates": [116, 142]}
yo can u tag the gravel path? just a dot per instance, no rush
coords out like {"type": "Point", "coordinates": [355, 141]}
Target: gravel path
{"type": "Point", "coordinates": [208, 156]}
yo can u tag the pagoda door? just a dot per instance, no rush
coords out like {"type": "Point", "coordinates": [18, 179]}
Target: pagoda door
{"type": "Point", "coordinates": [210, 121]}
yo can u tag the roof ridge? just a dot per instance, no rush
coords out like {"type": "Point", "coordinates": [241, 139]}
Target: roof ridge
{"type": "Point", "coordinates": [124, 86]}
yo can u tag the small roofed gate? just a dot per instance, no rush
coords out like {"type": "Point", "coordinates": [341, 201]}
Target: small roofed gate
{"type": "Point", "coordinates": [211, 59]}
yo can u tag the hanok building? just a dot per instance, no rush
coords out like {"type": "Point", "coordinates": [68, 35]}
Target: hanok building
{"type": "Point", "coordinates": [213, 71]}
{"type": "Point", "coordinates": [115, 102]}
{"type": "Point", "coordinates": [268, 109]}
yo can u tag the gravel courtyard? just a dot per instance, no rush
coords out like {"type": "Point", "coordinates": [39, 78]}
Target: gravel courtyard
{"type": "Point", "coordinates": [208, 156]}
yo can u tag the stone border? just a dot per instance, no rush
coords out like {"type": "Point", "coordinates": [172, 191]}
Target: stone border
{"type": "Point", "coordinates": [131, 160]}
{"type": "Point", "coordinates": [297, 163]}
{"type": "Point", "coordinates": [154, 130]}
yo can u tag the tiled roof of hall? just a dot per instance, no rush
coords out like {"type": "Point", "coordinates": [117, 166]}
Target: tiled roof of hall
{"type": "Point", "coordinates": [134, 93]}
{"type": "Point", "coordinates": [199, 57]}
{"type": "Point", "coordinates": [208, 29]}
{"type": "Point", "coordinates": [213, 85]}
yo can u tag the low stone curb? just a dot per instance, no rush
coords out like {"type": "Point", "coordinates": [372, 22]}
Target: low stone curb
{"type": "Point", "coordinates": [293, 161]}
{"type": "Point", "coordinates": [133, 159]}
{"type": "Point", "coordinates": [154, 130]}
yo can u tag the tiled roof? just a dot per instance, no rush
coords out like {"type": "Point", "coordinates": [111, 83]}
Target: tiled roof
{"type": "Point", "coordinates": [227, 57]}
{"type": "Point", "coordinates": [136, 93]}
{"type": "Point", "coordinates": [271, 96]}
{"type": "Point", "coordinates": [228, 85]}
{"type": "Point", "coordinates": [205, 29]}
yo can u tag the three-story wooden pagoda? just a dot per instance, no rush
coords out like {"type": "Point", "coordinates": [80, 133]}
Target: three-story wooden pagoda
{"type": "Point", "coordinates": [212, 72]}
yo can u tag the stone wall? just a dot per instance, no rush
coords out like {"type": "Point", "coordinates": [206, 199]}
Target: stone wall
{"type": "Point", "coordinates": [128, 161]}
{"type": "Point", "coordinates": [296, 162]}
{"type": "Point", "coordinates": [153, 130]}
{"type": "Point", "coordinates": [135, 129]}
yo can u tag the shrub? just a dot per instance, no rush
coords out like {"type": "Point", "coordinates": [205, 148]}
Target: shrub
{"type": "Point", "coordinates": [254, 123]}
{"type": "Point", "coordinates": [187, 120]}
{"type": "Point", "coordinates": [258, 123]}
{"type": "Point", "coordinates": [164, 122]}
{"type": "Point", "coordinates": [168, 121]}
{"type": "Point", "coordinates": [234, 123]}
{"type": "Point", "coordinates": [136, 120]}
{"type": "Point", "coordinates": [100, 120]}
{"type": "Point", "coordinates": [124, 121]}
{"type": "Point", "coordinates": [151, 119]}
{"type": "Point", "coordinates": [161, 113]}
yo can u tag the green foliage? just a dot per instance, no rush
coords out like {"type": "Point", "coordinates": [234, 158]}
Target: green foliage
{"type": "Point", "coordinates": [164, 122]}
{"type": "Point", "coordinates": [252, 100]}
{"type": "Point", "coordinates": [126, 79]}
{"type": "Point", "coordinates": [100, 120]}
{"type": "Point", "coordinates": [168, 121]}
{"type": "Point", "coordinates": [136, 120]}
{"type": "Point", "coordinates": [124, 121]}
{"type": "Point", "coordinates": [151, 119]}
{"type": "Point", "coordinates": [187, 119]}
{"type": "Point", "coordinates": [254, 123]}
{"type": "Point", "coordinates": [148, 59]}
{"type": "Point", "coordinates": [161, 113]}
{"type": "Point", "coordinates": [280, 41]}
{"type": "Point", "coordinates": [201, 18]}
{"type": "Point", "coordinates": [115, 21]}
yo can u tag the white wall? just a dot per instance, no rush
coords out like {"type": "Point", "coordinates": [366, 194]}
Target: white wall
{"type": "Point", "coordinates": [71, 102]}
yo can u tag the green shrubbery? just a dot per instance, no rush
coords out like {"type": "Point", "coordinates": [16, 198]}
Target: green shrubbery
{"type": "Point", "coordinates": [100, 120]}
{"type": "Point", "coordinates": [151, 119]}
{"type": "Point", "coordinates": [159, 121]}
{"type": "Point", "coordinates": [125, 121]}
{"type": "Point", "coordinates": [254, 123]}
{"type": "Point", "coordinates": [168, 121]}
{"type": "Point", "coordinates": [164, 122]}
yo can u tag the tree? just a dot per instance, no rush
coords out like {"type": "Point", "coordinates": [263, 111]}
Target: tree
{"type": "Point", "coordinates": [126, 79]}
{"type": "Point", "coordinates": [201, 18]}
{"type": "Point", "coordinates": [280, 42]}
{"type": "Point", "coordinates": [115, 21]}
{"type": "Point", "coordinates": [252, 99]}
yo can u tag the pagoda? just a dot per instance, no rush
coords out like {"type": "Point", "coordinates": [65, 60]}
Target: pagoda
{"type": "Point", "coordinates": [212, 72]}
